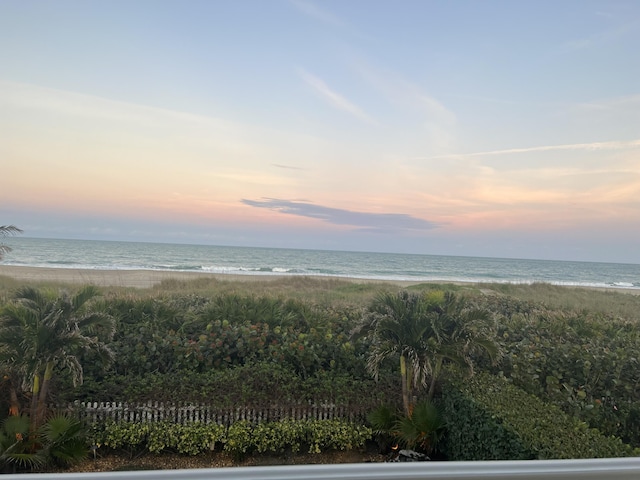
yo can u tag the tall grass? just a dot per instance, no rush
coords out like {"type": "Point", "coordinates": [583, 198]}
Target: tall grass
{"type": "Point", "coordinates": [623, 304]}
{"type": "Point", "coordinates": [336, 291]}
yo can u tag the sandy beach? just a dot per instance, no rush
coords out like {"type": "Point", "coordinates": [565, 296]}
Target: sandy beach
{"type": "Point", "coordinates": [150, 278]}
{"type": "Point", "coordinates": [115, 278]}
{"type": "Point", "coordinates": [141, 278]}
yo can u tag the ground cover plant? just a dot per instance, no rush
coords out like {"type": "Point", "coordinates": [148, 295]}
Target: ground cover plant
{"type": "Point", "coordinates": [240, 438]}
{"type": "Point", "coordinates": [584, 362]}
{"type": "Point", "coordinates": [491, 419]}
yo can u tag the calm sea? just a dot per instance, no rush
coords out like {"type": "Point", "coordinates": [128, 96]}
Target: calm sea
{"type": "Point", "coordinates": [110, 255]}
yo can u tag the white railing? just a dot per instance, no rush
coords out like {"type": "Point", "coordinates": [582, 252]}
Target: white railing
{"type": "Point", "coordinates": [604, 469]}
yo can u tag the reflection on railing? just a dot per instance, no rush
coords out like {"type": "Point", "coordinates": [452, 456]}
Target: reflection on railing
{"type": "Point", "coordinates": [605, 469]}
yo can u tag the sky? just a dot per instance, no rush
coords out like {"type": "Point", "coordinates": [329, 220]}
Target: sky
{"type": "Point", "coordinates": [478, 128]}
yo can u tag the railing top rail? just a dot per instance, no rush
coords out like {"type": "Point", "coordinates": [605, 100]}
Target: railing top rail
{"type": "Point", "coordinates": [605, 469]}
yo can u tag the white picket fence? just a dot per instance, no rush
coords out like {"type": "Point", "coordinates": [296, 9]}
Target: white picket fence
{"type": "Point", "coordinates": [93, 412]}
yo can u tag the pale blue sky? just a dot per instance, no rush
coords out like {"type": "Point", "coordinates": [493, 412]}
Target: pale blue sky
{"type": "Point", "coordinates": [493, 128]}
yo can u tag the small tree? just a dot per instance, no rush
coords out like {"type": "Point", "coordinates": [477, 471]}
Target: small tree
{"type": "Point", "coordinates": [398, 327]}
{"type": "Point", "coordinates": [424, 331]}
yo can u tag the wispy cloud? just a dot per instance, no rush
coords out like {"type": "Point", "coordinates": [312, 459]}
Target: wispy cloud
{"type": "Point", "coordinates": [334, 98]}
{"type": "Point", "coordinates": [367, 221]}
{"type": "Point", "coordinates": [605, 36]}
{"type": "Point", "coordinates": [232, 140]}
{"type": "Point", "coordinates": [287, 167]}
{"type": "Point", "coordinates": [404, 93]}
{"type": "Point", "coordinates": [628, 102]}
{"type": "Point", "coordinates": [312, 10]}
{"type": "Point", "coordinates": [435, 122]}
{"type": "Point", "coordinates": [323, 16]}
{"type": "Point", "coordinates": [615, 145]}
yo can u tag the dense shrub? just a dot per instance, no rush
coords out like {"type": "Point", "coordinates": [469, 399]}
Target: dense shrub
{"type": "Point", "coordinates": [256, 385]}
{"type": "Point", "coordinates": [490, 419]}
{"type": "Point", "coordinates": [193, 333]}
{"type": "Point", "coordinates": [585, 363]}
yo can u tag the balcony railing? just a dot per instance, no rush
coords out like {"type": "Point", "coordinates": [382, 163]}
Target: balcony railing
{"type": "Point", "coordinates": [605, 469]}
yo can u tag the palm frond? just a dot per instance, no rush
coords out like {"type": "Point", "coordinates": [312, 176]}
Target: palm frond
{"type": "Point", "coordinates": [85, 295]}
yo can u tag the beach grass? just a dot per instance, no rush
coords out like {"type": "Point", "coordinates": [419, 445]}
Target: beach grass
{"type": "Point", "coordinates": [623, 303]}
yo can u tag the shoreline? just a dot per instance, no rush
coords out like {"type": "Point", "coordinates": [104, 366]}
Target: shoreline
{"type": "Point", "coordinates": [151, 278]}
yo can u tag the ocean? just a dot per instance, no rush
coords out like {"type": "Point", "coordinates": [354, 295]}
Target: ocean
{"type": "Point", "coordinates": [111, 255]}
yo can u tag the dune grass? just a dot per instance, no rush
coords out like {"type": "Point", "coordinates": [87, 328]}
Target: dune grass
{"type": "Point", "coordinates": [619, 303]}
{"type": "Point", "coordinates": [338, 291]}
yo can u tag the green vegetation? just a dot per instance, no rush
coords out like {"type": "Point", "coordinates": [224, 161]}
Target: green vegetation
{"type": "Point", "coordinates": [490, 419]}
{"type": "Point", "coordinates": [240, 438]}
{"type": "Point", "coordinates": [60, 442]}
{"type": "Point", "coordinates": [540, 374]}
{"type": "Point", "coordinates": [585, 363]}
{"type": "Point", "coordinates": [424, 331]}
{"type": "Point", "coordinates": [421, 431]}
{"type": "Point", "coordinates": [41, 332]}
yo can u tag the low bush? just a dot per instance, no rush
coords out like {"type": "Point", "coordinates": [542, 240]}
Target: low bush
{"type": "Point", "coordinates": [421, 431]}
{"type": "Point", "coordinates": [60, 441]}
{"type": "Point", "coordinates": [490, 419]}
{"type": "Point", "coordinates": [238, 439]}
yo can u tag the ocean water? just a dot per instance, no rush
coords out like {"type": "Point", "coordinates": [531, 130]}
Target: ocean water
{"type": "Point", "coordinates": [88, 254]}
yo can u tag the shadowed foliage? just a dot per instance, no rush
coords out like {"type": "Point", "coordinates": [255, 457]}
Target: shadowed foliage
{"type": "Point", "coordinates": [42, 332]}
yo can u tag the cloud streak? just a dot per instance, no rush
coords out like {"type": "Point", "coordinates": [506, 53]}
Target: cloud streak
{"type": "Point", "coordinates": [335, 99]}
{"type": "Point", "coordinates": [316, 12]}
{"type": "Point", "coordinates": [366, 221]}
{"type": "Point", "coordinates": [605, 36]}
{"type": "Point", "coordinates": [287, 167]}
{"type": "Point", "coordinates": [615, 145]}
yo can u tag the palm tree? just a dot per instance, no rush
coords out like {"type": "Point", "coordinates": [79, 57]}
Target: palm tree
{"type": "Point", "coordinates": [41, 332]}
{"type": "Point", "coordinates": [6, 230]}
{"type": "Point", "coordinates": [424, 331]}
{"type": "Point", "coordinates": [459, 332]}
{"type": "Point", "coordinates": [398, 327]}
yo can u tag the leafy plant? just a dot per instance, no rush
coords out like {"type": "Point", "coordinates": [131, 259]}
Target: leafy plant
{"type": "Point", "coordinates": [15, 448]}
{"type": "Point", "coordinates": [423, 429]}
{"type": "Point", "coordinates": [239, 439]}
{"type": "Point", "coordinates": [384, 420]}
{"type": "Point", "coordinates": [64, 440]}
